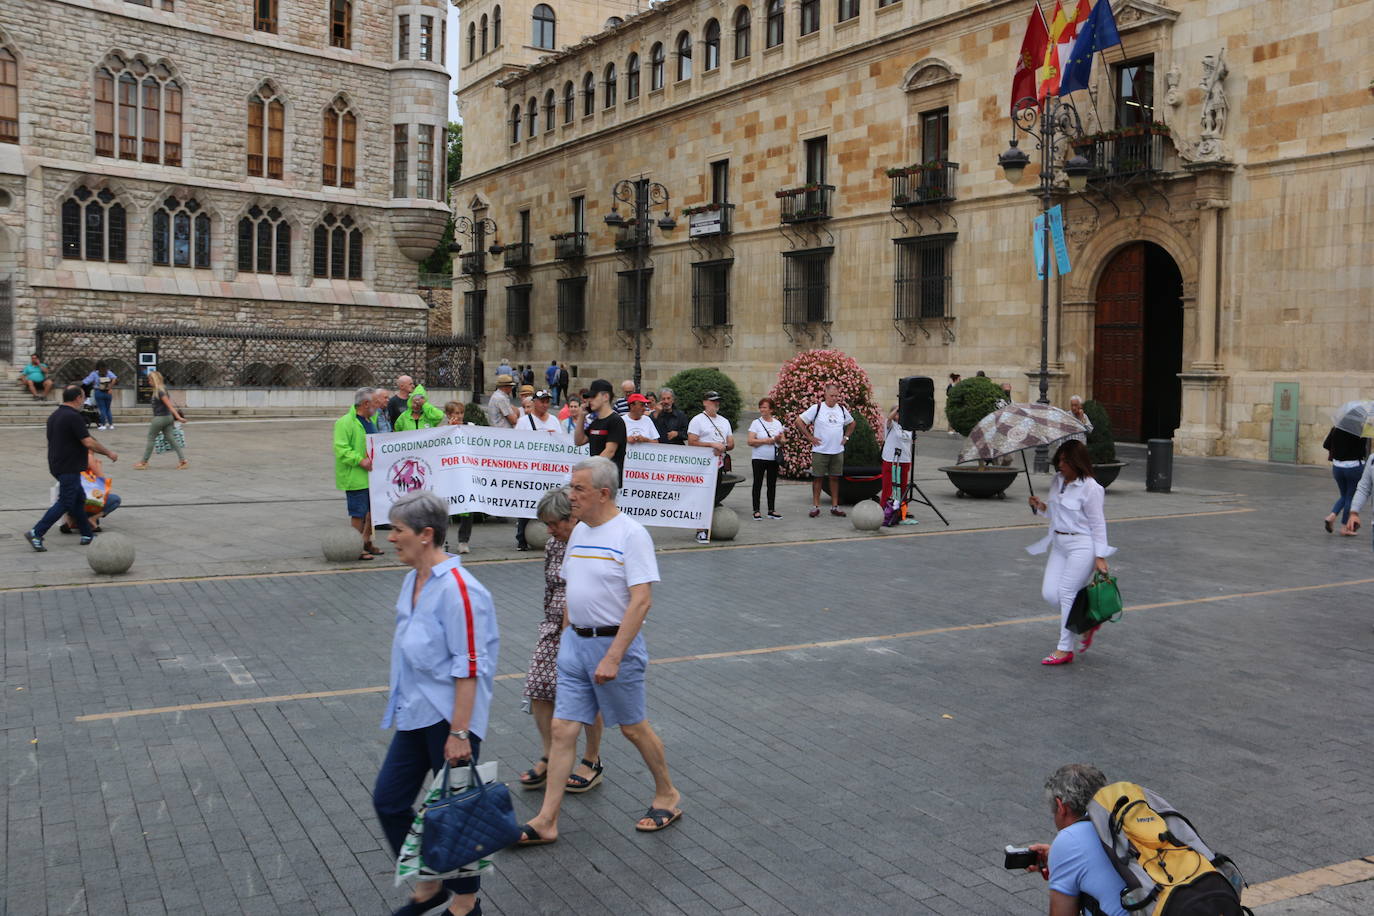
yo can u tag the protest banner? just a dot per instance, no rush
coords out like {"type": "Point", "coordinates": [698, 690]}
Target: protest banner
{"type": "Point", "coordinates": [505, 471]}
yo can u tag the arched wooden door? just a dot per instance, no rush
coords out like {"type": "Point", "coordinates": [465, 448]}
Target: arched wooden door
{"type": "Point", "coordinates": [1119, 341]}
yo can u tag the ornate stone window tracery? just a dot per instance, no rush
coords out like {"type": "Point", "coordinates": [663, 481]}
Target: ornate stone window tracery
{"type": "Point", "coordinates": [338, 248]}
{"type": "Point", "coordinates": [94, 226]}
{"type": "Point", "coordinates": [340, 145]}
{"type": "Point", "coordinates": [266, 133]}
{"type": "Point", "coordinates": [138, 111]}
{"type": "Point", "coordinates": [181, 234]}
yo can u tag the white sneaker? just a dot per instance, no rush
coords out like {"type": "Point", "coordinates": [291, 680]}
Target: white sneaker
{"type": "Point", "coordinates": [462, 547]}
{"type": "Point", "coordinates": [101, 426]}
{"type": "Point", "coordinates": [703, 537]}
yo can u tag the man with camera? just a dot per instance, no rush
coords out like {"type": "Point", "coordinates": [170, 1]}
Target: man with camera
{"type": "Point", "coordinates": [1081, 875]}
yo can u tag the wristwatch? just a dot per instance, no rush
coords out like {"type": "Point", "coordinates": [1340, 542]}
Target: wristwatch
{"type": "Point", "coordinates": [461, 734]}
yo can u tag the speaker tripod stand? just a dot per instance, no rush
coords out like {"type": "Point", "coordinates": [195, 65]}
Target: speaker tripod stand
{"type": "Point", "coordinates": [910, 485]}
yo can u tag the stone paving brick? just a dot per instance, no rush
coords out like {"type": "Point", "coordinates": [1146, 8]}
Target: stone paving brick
{"type": "Point", "coordinates": [813, 775]}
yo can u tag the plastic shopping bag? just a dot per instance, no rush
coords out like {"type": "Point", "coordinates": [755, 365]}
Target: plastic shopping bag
{"type": "Point", "coordinates": [96, 489]}
{"type": "Point", "coordinates": [409, 865]}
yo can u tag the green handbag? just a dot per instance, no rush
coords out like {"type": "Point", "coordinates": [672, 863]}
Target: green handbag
{"type": "Point", "coordinates": [1104, 599]}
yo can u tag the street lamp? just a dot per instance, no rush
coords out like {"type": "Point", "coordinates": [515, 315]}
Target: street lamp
{"type": "Point", "coordinates": [1048, 124]}
{"type": "Point", "coordinates": [643, 195]}
{"type": "Point", "coordinates": [475, 229]}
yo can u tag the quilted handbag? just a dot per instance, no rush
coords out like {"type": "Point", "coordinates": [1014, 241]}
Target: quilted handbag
{"type": "Point", "coordinates": [468, 824]}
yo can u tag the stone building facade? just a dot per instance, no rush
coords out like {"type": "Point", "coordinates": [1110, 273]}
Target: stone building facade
{"type": "Point", "coordinates": [842, 157]}
{"type": "Point", "coordinates": [257, 165]}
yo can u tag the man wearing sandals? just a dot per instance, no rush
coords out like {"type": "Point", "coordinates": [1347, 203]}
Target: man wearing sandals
{"type": "Point", "coordinates": [609, 569]}
{"type": "Point", "coordinates": [352, 462]}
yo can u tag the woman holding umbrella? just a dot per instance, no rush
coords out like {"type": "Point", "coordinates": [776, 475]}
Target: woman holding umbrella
{"type": "Point", "coordinates": [1346, 448]}
{"type": "Point", "coordinates": [1077, 541]}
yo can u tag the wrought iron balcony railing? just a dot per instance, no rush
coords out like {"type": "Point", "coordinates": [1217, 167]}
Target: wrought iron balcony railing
{"type": "Point", "coordinates": [1123, 154]}
{"type": "Point", "coordinates": [472, 263]}
{"type": "Point", "coordinates": [630, 236]}
{"type": "Point", "coordinates": [517, 254]}
{"type": "Point", "coordinates": [709, 220]}
{"type": "Point", "coordinates": [916, 185]}
{"type": "Point", "coordinates": [570, 245]}
{"type": "Point", "coordinates": [808, 203]}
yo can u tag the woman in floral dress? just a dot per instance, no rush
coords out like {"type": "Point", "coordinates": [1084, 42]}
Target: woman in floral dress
{"type": "Point", "coordinates": [555, 511]}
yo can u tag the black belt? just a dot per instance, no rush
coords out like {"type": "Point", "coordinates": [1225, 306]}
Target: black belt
{"type": "Point", "coordinates": [1077, 534]}
{"type": "Point", "coordinates": [591, 632]}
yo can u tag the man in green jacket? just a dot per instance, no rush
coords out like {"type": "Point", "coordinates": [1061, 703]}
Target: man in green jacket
{"type": "Point", "coordinates": [351, 464]}
{"type": "Point", "coordinates": [419, 413]}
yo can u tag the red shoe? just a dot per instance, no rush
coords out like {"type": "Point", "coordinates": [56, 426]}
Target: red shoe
{"type": "Point", "coordinates": [815, 511]}
{"type": "Point", "coordinates": [1086, 642]}
{"type": "Point", "coordinates": [1057, 659]}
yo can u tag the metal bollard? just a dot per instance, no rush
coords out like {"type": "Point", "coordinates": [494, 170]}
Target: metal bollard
{"type": "Point", "coordinates": [1159, 465]}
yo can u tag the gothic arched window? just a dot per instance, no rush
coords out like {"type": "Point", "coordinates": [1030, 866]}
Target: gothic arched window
{"type": "Point", "coordinates": [181, 234]}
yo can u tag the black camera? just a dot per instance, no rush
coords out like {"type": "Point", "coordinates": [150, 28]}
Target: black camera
{"type": "Point", "coordinates": [1019, 858]}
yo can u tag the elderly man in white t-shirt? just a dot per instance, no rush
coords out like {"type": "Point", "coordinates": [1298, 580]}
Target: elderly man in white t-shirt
{"type": "Point", "coordinates": [828, 425]}
{"type": "Point", "coordinates": [609, 569]}
{"type": "Point", "coordinates": [713, 431]}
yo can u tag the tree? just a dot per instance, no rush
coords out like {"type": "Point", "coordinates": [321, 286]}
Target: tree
{"type": "Point", "coordinates": [440, 261]}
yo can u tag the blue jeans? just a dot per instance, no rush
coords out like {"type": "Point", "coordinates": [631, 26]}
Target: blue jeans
{"type": "Point", "coordinates": [103, 400]}
{"type": "Point", "coordinates": [1347, 479]}
{"type": "Point", "coordinates": [71, 498]}
{"type": "Point", "coordinates": [414, 756]}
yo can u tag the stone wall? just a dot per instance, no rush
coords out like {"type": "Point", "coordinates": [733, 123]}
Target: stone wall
{"type": "Point", "coordinates": [219, 61]}
{"type": "Point", "coordinates": [1292, 267]}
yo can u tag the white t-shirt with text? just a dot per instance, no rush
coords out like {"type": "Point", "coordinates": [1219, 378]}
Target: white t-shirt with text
{"type": "Point", "coordinates": [827, 424]}
{"type": "Point", "coordinates": [599, 566]}
{"type": "Point", "coordinates": [765, 429]}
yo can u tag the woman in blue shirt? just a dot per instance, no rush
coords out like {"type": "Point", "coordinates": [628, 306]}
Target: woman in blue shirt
{"type": "Point", "coordinates": [443, 658]}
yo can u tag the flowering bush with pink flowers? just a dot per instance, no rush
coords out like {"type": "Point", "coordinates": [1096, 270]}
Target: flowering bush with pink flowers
{"type": "Point", "coordinates": [801, 383]}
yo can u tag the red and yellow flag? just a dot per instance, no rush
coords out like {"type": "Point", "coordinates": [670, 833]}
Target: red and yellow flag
{"type": "Point", "coordinates": [1033, 49]}
{"type": "Point", "coordinates": [1063, 28]}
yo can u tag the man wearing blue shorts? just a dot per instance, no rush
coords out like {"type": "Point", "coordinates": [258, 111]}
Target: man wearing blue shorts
{"type": "Point", "coordinates": [609, 568]}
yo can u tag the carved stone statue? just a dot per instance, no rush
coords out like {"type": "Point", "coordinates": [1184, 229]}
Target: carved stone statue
{"type": "Point", "coordinates": [1171, 79]}
{"type": "Point", "coordinates": [1214, 104]}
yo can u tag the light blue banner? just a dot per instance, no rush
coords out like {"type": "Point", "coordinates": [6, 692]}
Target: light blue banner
{"type": "Point", "coordinates": [1038, 246]}
{"type": "Point", "coordinates": [1061, 248]}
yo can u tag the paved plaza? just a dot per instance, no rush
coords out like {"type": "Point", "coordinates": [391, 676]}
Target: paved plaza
{"type": "Point", "coordinates": [858, 723]}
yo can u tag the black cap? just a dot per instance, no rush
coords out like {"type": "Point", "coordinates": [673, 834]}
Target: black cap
{"type": "Point", "coordinates": [600, 385]}
{"type": "Point", "coordinates": [711, 396]}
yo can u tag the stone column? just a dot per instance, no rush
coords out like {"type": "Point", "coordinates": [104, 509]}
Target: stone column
{"type": "Point", "coordinates": [1201, 427]}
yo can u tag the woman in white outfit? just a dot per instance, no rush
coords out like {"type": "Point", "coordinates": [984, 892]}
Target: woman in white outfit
{"type": "Point", "coordinates": [1077, 541]}
{"type": "Point", "coordinates": [1363, 491]}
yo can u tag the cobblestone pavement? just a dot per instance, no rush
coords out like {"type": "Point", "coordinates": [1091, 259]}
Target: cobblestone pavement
{"type": "Point", "coordinates": [857, 726]}
{"type": "Point", "coordinates": [259, 493]}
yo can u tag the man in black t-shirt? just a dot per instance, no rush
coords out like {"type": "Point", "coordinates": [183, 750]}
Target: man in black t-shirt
{"type": "Point", "coordinates": [68, 442]}
{"type": "Point", "coordinates": [606, 431]}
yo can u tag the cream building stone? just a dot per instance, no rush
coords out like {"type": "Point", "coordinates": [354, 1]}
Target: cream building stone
{"type": "Point", "coordinates": [374, 66]}
{"type": "Point", "coordinates": [1208, 264]}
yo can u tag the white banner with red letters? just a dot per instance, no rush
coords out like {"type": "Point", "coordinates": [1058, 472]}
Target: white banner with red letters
{"type": "Point", "coordinates": [504, 472]}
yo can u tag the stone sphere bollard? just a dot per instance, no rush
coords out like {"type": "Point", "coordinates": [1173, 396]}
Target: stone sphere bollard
{"type": "Point", "coordinates": [342, 544]}
{"type": "Point", "coordinates": [536, 534]}
{"type": "Point", "coordinates": [867, 515]}
{"type": "Point", "coordinates": [111, 554]}
{"type": "Point", "coordinates": [724, 524]}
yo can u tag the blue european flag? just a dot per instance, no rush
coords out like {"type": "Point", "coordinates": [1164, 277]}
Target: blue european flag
{"type": "Point", "coordinates": [1097, 33]}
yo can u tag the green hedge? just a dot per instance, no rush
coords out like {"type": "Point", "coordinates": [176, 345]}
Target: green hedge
{"type": "Point", "coordinates": [1101, 442]}
{"type": "Point", "coordinates": [690, 385]}
{"type": "Point", "coordinates": [970, 401]}
{"type": "Point", "coordinates": [475, 414]}
{"type": "Point", "coordinates": [862, 450]}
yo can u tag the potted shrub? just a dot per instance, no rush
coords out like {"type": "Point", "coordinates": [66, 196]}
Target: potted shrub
{"type": "Point", "coordinates": [863, 464]}
{"type": "Point", "coordinates": [1102, 444]}
{"type": "Point", "coordinates": [968, 402]}
{"type": "Point", "coordinates": [689, 386]}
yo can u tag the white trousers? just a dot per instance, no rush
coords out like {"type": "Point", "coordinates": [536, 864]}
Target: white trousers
{"type": "Point", "coordinates": [1068, 570]}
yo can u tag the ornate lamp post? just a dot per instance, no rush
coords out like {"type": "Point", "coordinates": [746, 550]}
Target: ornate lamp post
{"type": "Point", "coordinates": [475, 229]}
{"type": "Point", "coordinates": [642, 194]}
{"type": "Point", "coordinates": [1048, 124]}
